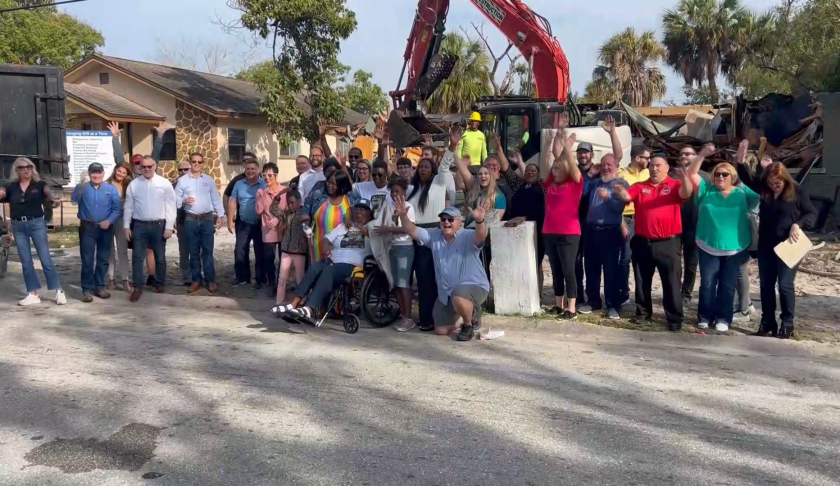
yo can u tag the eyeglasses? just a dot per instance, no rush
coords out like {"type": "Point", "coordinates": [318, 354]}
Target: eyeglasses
{"type": "Point", "coordinates": [377, 175]}
{"type": "Point", "coordinates": [147, 167]}
{"type": "Point", "coordinates": [354, 157]}
{"type": "Point", "coordinates": [722, 174]}
{"type": "Point", "coordinates": [445, 219]}
{"type": "Point", "coordinates": [646, 157]}
{"type": "Point", "coordinates": [269, 174]}
{"type": "Point", "coordinates": [25, 167]}
{"type": "Point", "coordinates": [184, 170]}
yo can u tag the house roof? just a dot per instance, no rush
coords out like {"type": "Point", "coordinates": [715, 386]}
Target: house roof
{"type": "Point", "coordinates": [220, 96]}
{"type": "Point", "coordinates": [109, 104]}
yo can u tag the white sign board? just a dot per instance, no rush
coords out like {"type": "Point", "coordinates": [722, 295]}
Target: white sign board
{"type": "Point", "coordinates": [86, 147]}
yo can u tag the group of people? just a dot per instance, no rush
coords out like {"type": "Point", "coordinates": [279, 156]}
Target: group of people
{"type": "Point", "coordinates": [592, 219]}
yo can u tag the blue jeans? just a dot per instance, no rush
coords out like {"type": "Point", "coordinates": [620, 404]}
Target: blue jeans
{"type": "Point", "coordinates": [200, 237]}
{"type": "Point", "coordinates": [148, 235]}
{"type": "Point", "coordinates": [718, 278]}
{"type": "Point", "coordinates": [95, 250]}
{"type": "Point", "coordinates": [36, 230]}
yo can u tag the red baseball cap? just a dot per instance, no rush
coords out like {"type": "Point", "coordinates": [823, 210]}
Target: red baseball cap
{"type": "Point", "coordinates": [137, 159]}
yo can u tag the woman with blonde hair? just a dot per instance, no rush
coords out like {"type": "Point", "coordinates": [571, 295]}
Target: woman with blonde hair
{"type": "Point", "coordinates": [27, 196]}
{"type": "Point", "coordinates": [785, 209]}
{"type": "Point", "coordinates": [118, 262]}
{"type": "Point", "coordinates": [724, 236]}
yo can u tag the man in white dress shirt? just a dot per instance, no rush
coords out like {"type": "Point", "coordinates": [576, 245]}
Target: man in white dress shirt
{"type": "Point", "coordinates": [149, 217]}
{"type": "Point", "coordinates": [315, 172]}
{"type": "Point", "coordinates": [203, 211]}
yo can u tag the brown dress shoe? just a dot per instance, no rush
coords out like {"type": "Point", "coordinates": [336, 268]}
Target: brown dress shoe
{"type": "Point", "coordinates": [135, 294]}
{"type": "Point", "coordinates": [212, 287]}
{"type": "Point", "coordinates": [195, 287]}
{"type": "Point", "coordinates": [102, 294]}
{"type": "Point", "coordinates": [160, 290]}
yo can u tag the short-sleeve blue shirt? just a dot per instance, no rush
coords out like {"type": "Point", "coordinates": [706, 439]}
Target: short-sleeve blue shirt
{"type": "Point", "coordinates": [246, 199]}
{"type": "Point", "coordinates": [457, 262]}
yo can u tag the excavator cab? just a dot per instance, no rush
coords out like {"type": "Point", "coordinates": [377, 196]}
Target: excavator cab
{"type": "Point", "coordinates": [519, 121]}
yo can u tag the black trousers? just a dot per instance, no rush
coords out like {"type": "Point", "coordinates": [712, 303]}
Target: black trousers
{"type": "Point", "coordinates": [772, 271]}
{"type": "Point", "coordinates": [579, 268]}
{"type": "Point", "coordinates": [424, 269]}
{"type": "Point", "coordinates": [270, 252]}
{"type": "Point", "coordinates": [662, 256]}
{"type": "Point", "coordinates": [245, 234]}
{"type": "Point", "coordinates": [603, 246]}
{"type": "Point", "coordinates": [562, 252]}
{"type": "Point", "coordinates": [690, 261]}
{"type": "Point", "coordinates": [321, 280]}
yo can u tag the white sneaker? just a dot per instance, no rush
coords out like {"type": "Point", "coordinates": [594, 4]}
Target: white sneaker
{"type": "Point", "coordinates": [702, 325]}
{"type": "Point", "coordinates": [585, 309]}
{"type": "Point", "coordinates": [721, 326]}
{"type": "Point", "coordinates": [613, 314]}
{"type": "Point", "coordinates": [60, 298]}
{"type": "Point", "coordinates": [30, 300]}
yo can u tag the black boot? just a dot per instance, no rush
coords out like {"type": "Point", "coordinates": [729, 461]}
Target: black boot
{"type": "Point", "coordinates": [767, 329]}
{"type": "Point", "coordinates": [786, 332]}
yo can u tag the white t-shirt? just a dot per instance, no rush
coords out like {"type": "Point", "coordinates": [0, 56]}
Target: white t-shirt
{"type": "Point", "coordinates": [349, 246]}
{"type": "Point", "coordinates": [377, 196]}
{"type": "Point", "coordinates": [390, 218]}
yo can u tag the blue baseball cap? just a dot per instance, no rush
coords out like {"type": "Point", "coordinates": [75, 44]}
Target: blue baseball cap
{"type": "Point", "coordinates": [364, 204]}
{"type": "Point", "coordinates": [452, 212]}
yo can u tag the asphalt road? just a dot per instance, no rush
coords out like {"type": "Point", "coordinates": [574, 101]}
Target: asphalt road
{"type": "Point", "coordinates": [198, 391]}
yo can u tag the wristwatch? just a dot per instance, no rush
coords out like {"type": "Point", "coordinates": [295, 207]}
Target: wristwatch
{"type": "Point", "coordinates": [479, 222]}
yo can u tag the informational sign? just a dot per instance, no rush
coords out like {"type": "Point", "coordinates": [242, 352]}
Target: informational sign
{"type": "Point", "coordinates": [85, 147]}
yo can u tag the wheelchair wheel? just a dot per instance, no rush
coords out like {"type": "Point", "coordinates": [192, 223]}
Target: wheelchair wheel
{"type": "Point", "coordinates": [351, 323]}
{"type": "Point", "coordinates": [379, 304]}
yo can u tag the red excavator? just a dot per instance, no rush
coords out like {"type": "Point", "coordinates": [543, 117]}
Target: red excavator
{"type": "Point", "coordinates": [517, 120]}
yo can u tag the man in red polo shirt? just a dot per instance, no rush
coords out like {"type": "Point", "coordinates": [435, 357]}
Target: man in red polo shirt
{"type": "Point", "coordinates": [656, 245]}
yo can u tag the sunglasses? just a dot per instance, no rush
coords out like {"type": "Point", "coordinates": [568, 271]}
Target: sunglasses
{"type": "Point", "coordinates": [445, 219]}
{"type": "Point", "coordinates": [722, 174]}
{"type": "Point", "coordinates": [354, 157]}
{"type": "Point", "coordinates": [378, 174]}
{"type": "Point", "coordinates": [196, 162]}
{"type": "Point", "coordinates": [183, 170]}
{"type": "Point", "coordinates": [25, 167]}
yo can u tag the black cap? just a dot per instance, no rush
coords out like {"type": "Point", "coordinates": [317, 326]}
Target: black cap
{"type": "Point", "coordinates": [95, 167]}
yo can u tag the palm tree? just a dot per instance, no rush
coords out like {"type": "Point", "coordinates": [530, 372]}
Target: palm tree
{"type": "Point", "coordinates": [625, 74]}
{"type": "Point", "coordinates": [700, 37]}
{"type": "Point", "coordinates": [470, 79]}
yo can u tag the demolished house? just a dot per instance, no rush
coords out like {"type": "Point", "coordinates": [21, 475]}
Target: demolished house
{"type": "Point", "coordinates": [801, 132]}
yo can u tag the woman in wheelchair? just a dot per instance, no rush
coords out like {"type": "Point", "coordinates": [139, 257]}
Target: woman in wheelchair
{"type": "Point", "coordinates": [345, 248]}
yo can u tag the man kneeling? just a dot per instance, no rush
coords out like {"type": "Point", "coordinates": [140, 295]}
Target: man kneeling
{"type": "Point", "coordinates": [345, 248]}
{"type": "Point", "coordinates": [461, 280]}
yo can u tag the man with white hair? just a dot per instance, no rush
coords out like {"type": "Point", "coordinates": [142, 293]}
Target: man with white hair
{"type": "Point", "coordinates": [149, 217]}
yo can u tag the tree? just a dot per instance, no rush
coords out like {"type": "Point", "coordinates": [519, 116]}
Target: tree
{"type": "Point", "coordinates": [363, 95]}
{"type": "Point", "coordinates": [260, 74]}
{"type": "Point", "coordinates": [44, 36]}
{"type": "Point", "coordinates": [700, 36]}
{"type": "Point", "coordinates": [305, 36]}
{"type": "Point", "coordinates": [601, 91]}
{"type": "Point", "coordinates": [625, 73]}
{"type": "Point", "coordinates": [470, 79]}
{"type": "Point", "coordinates": [514, 69]}
{"type": "Point", "coordinates": [196, 56]}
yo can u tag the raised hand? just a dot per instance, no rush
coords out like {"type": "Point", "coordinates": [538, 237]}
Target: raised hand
{"type": "Point", "coordinates": [480, 210]}
{"type": "Point", "coordinates": [427, 139]}
{"type": "Point", "coordinates": [741, 156]}
{"type": "Point", "coordinates": [161, 129]}
{"type": "Point", "coordinates": [114, 127]}
{"type": "Point", "coordinates": [609, 124]}
{"type": "Point", "coordinates": [494, 140]}
{"type": "Point", "coordinates": [707, 150]}
{"type": "Point", "coordinates": [766, 162]}
{"type": "Point", "coordinates": [563, 121]}
{"type": "Point", "coordinates": [340, 157]}
{"type": "Point", "coordinates": [456, 133]}
{"type": "Point", "coordinates": [400, 207]}
{"type": "Point", "coordinates": [680, 174]}
{"type": "Point", "coordinates": [517, 157]}
{"type": "Point", "coordinates": [322, 127]}
{"type": "Point", "coordinates": [570, 142]}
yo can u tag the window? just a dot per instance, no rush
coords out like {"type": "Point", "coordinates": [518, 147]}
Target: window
{"type": "Point", "coordinates": [342, 145]}
{"type": "Point", "coordinates": [237, 139]}
{"type": "Point", "coordinates": [169, 150]}
{"type": "Point", "coordinates": [104, 78]}
{"type": "Point", "coordinates": [293, 150]}
{"type": "Point", "coordinates": [489, 125]}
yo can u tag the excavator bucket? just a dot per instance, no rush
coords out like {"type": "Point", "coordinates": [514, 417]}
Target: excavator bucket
{"type": "Point", "coordinates": [407, 127]}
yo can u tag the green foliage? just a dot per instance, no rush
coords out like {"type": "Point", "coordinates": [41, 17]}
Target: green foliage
{"type": "Point", "coordinates": [625, 73]}
{"type": "Point", "coordinates": [44, 36]}
{"type": "Point", "coordinates": [469, 80]}
{"type": "Point", "coordinates": [261, 73]}
{"type": "Point", "coordinates": [363, 95]}
{"type": "Point", "coordinates": [702, 95]}
{"type": "Point", "coordinates": [701, 38]}
{"type": "Point", "coordinates": [306, 36]}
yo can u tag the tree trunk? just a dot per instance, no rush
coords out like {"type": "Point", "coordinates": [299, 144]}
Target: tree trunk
{"type": "Point", "coordinates": [713, 91]}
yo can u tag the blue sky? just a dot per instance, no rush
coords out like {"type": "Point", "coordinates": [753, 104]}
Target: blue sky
{"type": "Point", "coordinates": [135, 29]}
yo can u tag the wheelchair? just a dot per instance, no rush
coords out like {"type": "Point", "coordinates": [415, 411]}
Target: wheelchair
{"type": "Point", "coordinates": [365, 292]}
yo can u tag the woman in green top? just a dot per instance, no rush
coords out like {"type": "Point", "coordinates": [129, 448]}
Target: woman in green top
{"type": "Point", "coordinates": [723, 237]}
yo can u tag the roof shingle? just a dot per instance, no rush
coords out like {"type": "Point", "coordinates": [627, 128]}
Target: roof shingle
{"type": "Point", "coordinates": [109, 103]}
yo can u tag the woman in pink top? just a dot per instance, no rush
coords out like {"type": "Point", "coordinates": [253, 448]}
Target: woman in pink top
{"type": "Point", "coordinates": [272, 227]}
{"type": "Point", "coordinates": [561, 229]}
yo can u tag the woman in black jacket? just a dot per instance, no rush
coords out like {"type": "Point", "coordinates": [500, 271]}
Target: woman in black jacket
{"type": "Point", "coordinates": [784, 210]}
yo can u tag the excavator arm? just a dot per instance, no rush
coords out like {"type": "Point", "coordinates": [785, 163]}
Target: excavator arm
{"type": "Point", "coordinates": [424, 69]}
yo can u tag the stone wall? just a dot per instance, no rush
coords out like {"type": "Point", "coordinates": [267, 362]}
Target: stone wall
{"type": "Point", "coordinates": [195, 131]}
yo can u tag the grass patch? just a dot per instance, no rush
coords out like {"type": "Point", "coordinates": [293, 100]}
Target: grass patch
{"type": "Point", "coordinates": [67, 236]}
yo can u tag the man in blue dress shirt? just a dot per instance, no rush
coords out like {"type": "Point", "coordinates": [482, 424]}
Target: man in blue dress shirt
{"type": "Point", "coordinates": [246, 227]}
{"type": "Point", "coordinates": [99, 207]}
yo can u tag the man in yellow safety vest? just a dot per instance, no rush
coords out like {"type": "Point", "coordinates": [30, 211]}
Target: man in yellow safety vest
{"type": "Point", "coordinates": [473, 142]}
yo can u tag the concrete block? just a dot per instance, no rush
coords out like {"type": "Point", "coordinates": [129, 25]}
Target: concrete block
{"type": "Point", "coordinates": [513, 270]}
